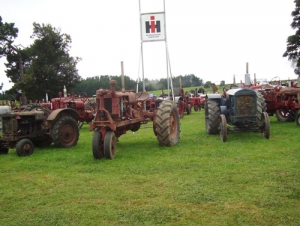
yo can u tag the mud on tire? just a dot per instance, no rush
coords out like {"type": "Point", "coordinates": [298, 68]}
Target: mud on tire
{"type": "Point", "coordinates": [261, 107]}
{"type": "Point", "coordinates": [167, 124]}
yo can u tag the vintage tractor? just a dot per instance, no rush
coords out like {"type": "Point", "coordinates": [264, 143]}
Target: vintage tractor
{"type": "Point", "coordinates": [120, 111]}
{"type": "Point", "coordinates": [237, 110]}
{"type": "Point", "coordinates": [183, 101]}
{"type": "Point", "coordinates": [282, 101]}
{"type": "Point", "coordinates": [198, 99]}
{"type": "Point", "coordinates": [83, 105]}
{"type": "Point", "coordinates": [37, 126]}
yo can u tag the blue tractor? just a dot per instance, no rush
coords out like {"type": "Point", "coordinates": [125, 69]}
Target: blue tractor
{"type": "Point", "coordinates": [237, 110]}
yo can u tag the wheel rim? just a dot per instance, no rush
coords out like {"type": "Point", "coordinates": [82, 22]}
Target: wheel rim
{"type": "Point", "coordinates": [26, 149]}
{"type": "Point", "coordinates": [283, 114]}
{"type": "Point", "coordinates": [68, 134]}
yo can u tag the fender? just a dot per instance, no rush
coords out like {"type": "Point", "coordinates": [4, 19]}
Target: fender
{"type": "Point", "coordinates": [63, 112]}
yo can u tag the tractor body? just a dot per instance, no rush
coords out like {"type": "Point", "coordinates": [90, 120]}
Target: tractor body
{"type": "Point", "coordinates": [120, 111]}
{"type": "Point", "coordinates": [237, 110]}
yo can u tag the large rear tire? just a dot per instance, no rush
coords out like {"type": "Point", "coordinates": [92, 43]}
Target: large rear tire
{"type": "Point", "coordinates": [97, 145]}
{"type": "Point", "coordinates": [24, 147]}
{"type": "Point", "coordinates": [212, 116]}
{"type": "Point", "coordinates": [65, 133]}
{"type": "Point", "coordinates": [285, 115]}
{"type": "Point", "coordinates": [167, 124]}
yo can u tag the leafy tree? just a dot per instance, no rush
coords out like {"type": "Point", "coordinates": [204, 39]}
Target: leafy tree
{"type": "Point", "coordinates": [208, 84]}
{"type": "Point", "coordinates": [14, 54]}
{"type": "Point", "coordinates": [51, 66]}
{"type": "Point", "coordinates": [222, 83]}
{"type": "Point", "coordinates": [293, 41]}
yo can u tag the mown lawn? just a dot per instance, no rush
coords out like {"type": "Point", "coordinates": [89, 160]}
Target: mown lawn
{"type": "Point", "coordinates": [248, 180]}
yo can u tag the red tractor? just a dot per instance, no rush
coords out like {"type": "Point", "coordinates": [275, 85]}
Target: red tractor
{"type": "Point", "coordinates": [198, 99]}
{"type": "Point", "coordinates": [281, 100]}
{"type": "Point", "coordinates": [120, 111]}
{"type": "Point", "coordinates": [83, 106]}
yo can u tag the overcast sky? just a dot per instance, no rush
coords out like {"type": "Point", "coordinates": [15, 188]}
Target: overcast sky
{"type": "Point", "coordinates": [210, 39]}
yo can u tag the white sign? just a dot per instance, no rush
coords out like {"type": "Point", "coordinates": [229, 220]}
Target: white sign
{"type": "Point", "coordinates": [153, 27]}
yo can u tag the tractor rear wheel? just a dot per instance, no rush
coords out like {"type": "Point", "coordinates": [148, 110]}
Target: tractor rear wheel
{"type": "Point", "coordinates": [285, 115]}
{"type": "Point", "coordinates": [65, 133]}
{"type": "Point", "coordinates": [223, 128]}
{"type": "Point", "coordinates": [110, 145]}
{"type": "Point", "coordinates": [266, 125]}
{"type": "Point", "coordinates": [167, 125]}
{"type": "Point", "coordinates": [212, 116]}
{"type": "Point", "coordinates": [97, 145]}
{"type": "Point", "coordinates": [24, 147]}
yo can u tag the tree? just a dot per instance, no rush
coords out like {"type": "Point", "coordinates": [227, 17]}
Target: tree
{"type": "Point", "coordinates": [293, 41]}
{"type": "Point", "coordinates": [13, 53]}
{"type": "Point", "coordinates": [51, 66]}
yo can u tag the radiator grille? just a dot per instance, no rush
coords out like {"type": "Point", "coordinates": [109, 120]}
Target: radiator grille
{"type": "Point", "coordinates": [245, 106]}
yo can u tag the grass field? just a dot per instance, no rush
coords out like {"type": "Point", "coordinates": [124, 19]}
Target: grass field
{"type": "Point", "coordinates": [248, 180]}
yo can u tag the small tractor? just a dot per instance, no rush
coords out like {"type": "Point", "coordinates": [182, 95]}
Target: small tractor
{"type": "Point", "coordinates": [198, 99]}
{"type": "Point", "coordinates": [237, 110]}
{"type": "Point", "coordinates": [38, 125]}
{"type": "Point", "coordinates": [120, 111]}
{"type": "Point", "coordinates": [183, 101]}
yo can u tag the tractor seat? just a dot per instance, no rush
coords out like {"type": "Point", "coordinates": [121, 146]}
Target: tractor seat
{"type": "Point", "coordinates": [142, 96]}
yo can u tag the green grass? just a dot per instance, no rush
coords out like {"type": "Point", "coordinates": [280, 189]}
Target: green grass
{"type": "Point", "coordinates": [248, 180]}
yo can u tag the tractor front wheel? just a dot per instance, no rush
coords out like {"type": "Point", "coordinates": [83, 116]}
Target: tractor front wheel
{"type": "Point", "coordinates": [167, 125]}
{"type": "Point", "coordinates": [266, 125]}
{"type": "Point", "coordinates": [223, 128]}
{"type": "Point", "coordinates": [24, 147]}
{"type": "Point", "coordinates": [65, 133]}
{"type": "Point", "coordinates": [196, 107]}
{"type": "Point", "coordinates": [97, 145]}
{"type": "Point", "coordinates": [110, 145]}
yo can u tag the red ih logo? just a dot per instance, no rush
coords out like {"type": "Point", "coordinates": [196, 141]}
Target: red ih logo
{"type": "Point", "coordinates": [152, 25]}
